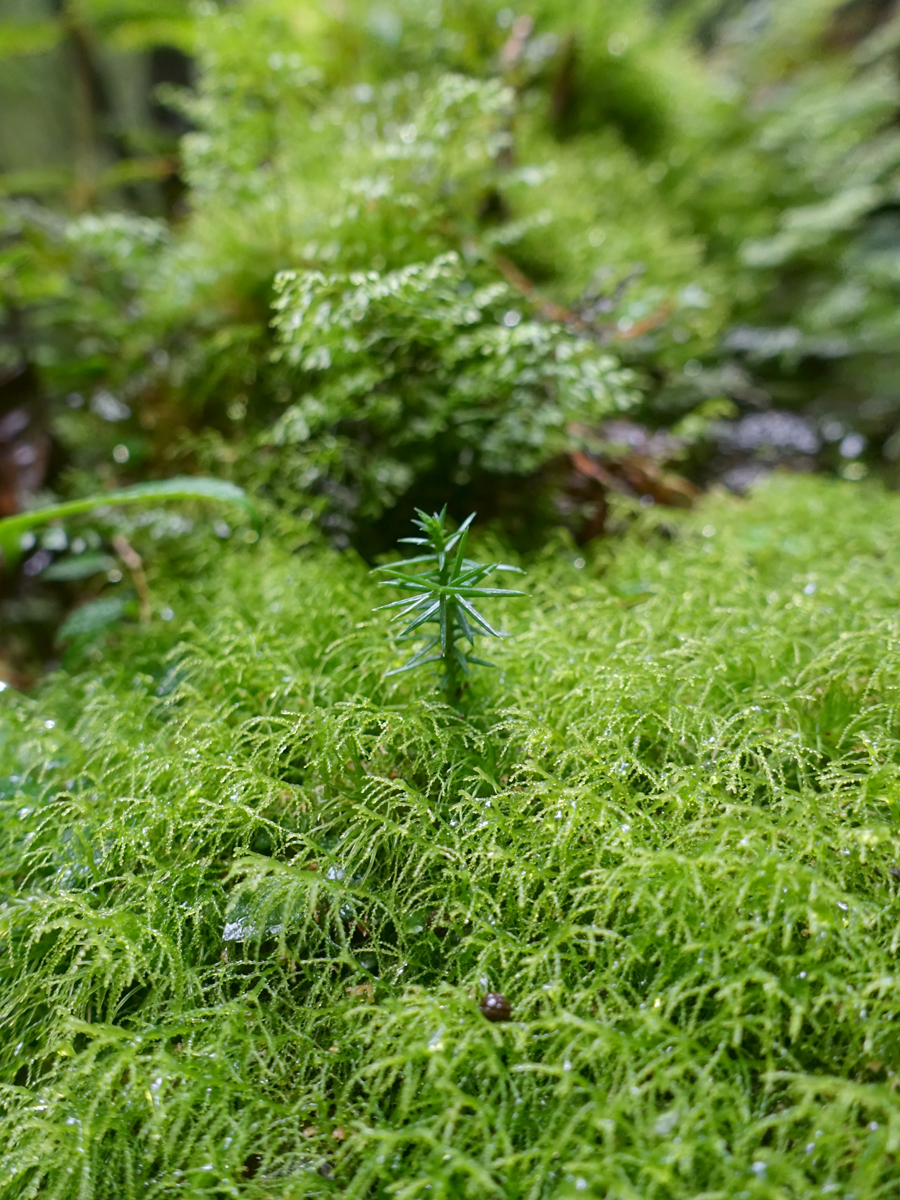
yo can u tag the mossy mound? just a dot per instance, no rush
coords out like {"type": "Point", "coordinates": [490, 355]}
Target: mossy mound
{"type": "Point", "coordinates": [254, 891]}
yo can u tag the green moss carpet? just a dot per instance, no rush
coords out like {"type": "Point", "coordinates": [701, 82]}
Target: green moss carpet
{"type": "Point", "coordinates": [252, 891]}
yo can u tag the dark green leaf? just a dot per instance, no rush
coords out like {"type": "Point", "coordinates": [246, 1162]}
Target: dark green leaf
{"type": "Point", "coordinates": [90, 618]}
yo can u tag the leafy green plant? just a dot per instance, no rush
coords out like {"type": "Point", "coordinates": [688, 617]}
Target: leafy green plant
{"type": "Point", "coordinates": [403, 378]}
{"type": "Point", "coordinates": [180, 488]}
{"type": "Point", "coordinates": [443, 596]}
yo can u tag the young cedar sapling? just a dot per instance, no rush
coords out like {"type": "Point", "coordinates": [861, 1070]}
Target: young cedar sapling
{"type": "Point", "coordinates": [443, 595]}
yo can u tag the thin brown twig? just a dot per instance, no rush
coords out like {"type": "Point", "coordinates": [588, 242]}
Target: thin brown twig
{"type": "Point", "coordinates": [135, 565]}
{"type": "Point", "coordinates": [547, 308]}
{"type": "Point", "coordinates": [593, 470]}
{"type": "Point", "coordinates": [639, 328]}
{"type": "Point", "coordinates": [552, 311]}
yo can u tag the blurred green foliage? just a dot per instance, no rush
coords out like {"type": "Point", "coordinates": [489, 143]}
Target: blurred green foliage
{"type": "Point", "coordinates": [76, 80]}
{"type": "Point", "coordinates": [415, 376]}
{"type": "Point", "coordinates": [703, 194]}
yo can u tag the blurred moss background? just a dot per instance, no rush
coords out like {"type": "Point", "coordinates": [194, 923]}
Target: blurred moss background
{"type": "Point", "coordinates": [360, 257]}
{"type": "Point", "coordinates": [77, 85]}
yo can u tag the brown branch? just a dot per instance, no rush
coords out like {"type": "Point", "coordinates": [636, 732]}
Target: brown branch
{"type": "Point", "coordinates": [593, 470]}
{"type": "Point", "coordinates": [94, 109]}
{"type": "Point", "coordinates": [547, 308]}
{"type": "Point", "coordinates": [657, 317]}
{"type": "Point", "coordinates": [552, 311]}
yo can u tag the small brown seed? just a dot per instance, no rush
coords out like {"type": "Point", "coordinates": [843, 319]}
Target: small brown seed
{"type": "Point", "coordinates": [496, 1007]}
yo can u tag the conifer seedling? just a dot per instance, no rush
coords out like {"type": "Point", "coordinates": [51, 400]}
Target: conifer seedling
{"type": "Point", "coordinates": [443, 595]}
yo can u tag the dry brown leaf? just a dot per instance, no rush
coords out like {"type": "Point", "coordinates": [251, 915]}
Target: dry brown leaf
{"type": "Point", "coordinates": [362, 989]}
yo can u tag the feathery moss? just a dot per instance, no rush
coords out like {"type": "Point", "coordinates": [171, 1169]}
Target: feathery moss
{"type": "Point", "coordinates": [253, 889]}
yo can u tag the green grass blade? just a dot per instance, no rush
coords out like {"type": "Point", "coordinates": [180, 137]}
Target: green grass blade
{"type": "Point", "coordinates": [179, 488]}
